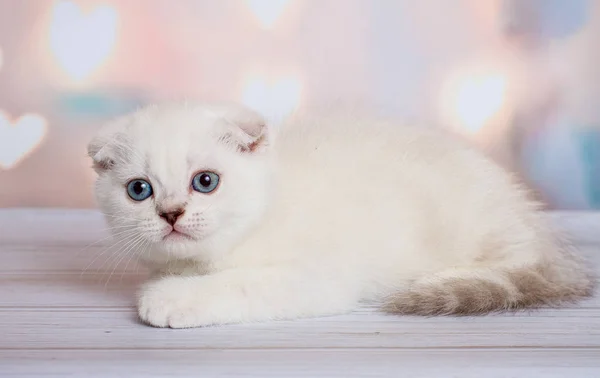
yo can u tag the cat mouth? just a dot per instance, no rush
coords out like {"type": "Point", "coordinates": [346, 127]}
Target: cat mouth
{"type": "Point", "coordinates": [175, 235]}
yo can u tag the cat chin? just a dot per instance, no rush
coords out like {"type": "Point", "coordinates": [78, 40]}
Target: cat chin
{"type": "Point", "coordinates": [174, 249]}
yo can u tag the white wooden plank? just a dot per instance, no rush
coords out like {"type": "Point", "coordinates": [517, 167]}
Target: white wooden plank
{"type": "Point", "coordinates": [55, 322]}
{"type": "Point", "coordinates": [66, 226]}
{"type": "Point", "coordinates": [72, 289]}
{"type": "Point", "coordinates": [301, 363]}
{"type": "Point", "coordinates": [63, 226]}
{"type": "Point", "coordinates": [108, 328]}
{"type": "Point", "coordinates": [41, 256]}
{"type": "Point", "coordinates": [77, 240]}
{"type": "Point", "coordinates": [37, 256]}
{"type": "Point", "coordinates": [58, 290]}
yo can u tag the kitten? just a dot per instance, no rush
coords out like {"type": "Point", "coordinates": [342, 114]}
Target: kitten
{"type": "Point", "coordinates": [238, 226]}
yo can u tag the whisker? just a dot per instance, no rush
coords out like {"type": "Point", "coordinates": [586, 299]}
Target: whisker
{"type": "Point", "coordinates": [130, 250]}
{"type": "Point", "coordinates": [103, 239]}
{"type": "Point", "coordinates": [148, 248]}
{"type": "Point", "coordinates": [119, 241]}
{"type": "Point", "coordinates": [116, 253]}
{"type": "Point", "coordinates": [111, 228]}
{"type": "Point", "coordinates": [120, 217]}
{"type": "Point", "coordinates": [206, 208]}
{"type": "Point", "coordinates": [131, 257]}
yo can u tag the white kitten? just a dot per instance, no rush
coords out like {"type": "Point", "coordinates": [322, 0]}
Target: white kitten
{"type": "Point", "coordinates": [337, 211]}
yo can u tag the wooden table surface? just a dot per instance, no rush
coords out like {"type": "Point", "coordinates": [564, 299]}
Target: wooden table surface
{"type": "Point", "coordinates": [66, 310]}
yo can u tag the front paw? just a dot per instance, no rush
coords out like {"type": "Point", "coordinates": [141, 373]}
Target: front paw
{"type": "Point", "coordinates": [169, 302]}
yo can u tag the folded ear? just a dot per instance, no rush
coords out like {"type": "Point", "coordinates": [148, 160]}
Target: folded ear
{"type": "Point", "coordinates": [105, 145]}
{"type": "Point", "coordinates": [243, 127]}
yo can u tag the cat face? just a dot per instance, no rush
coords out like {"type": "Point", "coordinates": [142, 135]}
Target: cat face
{"type": "Point", "coordinates": [181, 181]}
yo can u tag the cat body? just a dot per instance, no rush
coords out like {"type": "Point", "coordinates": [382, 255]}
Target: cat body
{"type": "Point", "coordinates": [328, 212]}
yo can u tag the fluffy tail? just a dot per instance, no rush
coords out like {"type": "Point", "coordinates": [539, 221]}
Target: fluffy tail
{"type": "Point", "coordinates": [479, 291]}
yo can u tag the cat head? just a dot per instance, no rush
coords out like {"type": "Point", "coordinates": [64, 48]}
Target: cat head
{"type": "Point", "coordinates": [182, 181]}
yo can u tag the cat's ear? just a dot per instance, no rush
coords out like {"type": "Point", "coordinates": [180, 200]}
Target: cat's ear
{"type": "Point", "coordinates": [244, 128]}
{"type": "Point", "coordinates": [103, 147]}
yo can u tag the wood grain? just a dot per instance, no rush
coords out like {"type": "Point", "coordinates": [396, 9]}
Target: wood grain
{"type": "Point", "coordinates": [304, 363]}
{"type": "Point", "coordinates": [57, 319]}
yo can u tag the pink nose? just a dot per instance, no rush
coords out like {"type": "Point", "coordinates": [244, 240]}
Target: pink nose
{"type": "Point", "coordinates": [172, 216]}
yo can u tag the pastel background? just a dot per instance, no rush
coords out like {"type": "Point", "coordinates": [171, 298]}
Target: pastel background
{"type": "Point", "coordinates": [519, 78]}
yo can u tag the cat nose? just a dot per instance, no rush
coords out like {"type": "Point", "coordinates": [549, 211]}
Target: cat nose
{"type": "Point", "coordinates": [171, 216]}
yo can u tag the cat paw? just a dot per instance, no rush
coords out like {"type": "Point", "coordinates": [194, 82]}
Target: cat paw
{"type": "Point", "coordinates": [169, 302]}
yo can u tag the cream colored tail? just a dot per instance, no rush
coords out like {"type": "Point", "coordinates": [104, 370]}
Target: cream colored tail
{"type": "Point", "coordinates": [480, 291]}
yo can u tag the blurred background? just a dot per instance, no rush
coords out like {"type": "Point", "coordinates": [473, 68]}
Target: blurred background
{"type": "Point", "coordinates": [518, 78]}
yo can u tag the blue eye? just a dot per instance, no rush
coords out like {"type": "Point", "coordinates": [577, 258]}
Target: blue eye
{"type": "Point", "coordinates": [139, 189]}
{"type": "Point", "coordinates": [205, 182]}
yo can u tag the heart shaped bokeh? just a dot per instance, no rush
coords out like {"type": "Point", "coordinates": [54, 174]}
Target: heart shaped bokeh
{"type": "Point", "coordinates": [19, 138]}
{"type": "Point", "coordinates": [82, 42]}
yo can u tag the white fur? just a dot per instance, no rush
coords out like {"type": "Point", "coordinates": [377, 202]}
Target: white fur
{"type": "Point", "coordinates": [339, 210]}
